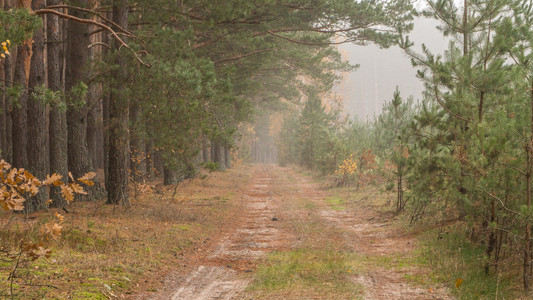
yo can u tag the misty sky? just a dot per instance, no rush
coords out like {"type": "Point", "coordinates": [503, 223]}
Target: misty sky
{"type": "Point", "coordinates": [381, 70]}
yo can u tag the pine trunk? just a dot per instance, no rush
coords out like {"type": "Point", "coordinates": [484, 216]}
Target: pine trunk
{"type": "Point", "coordinates": [58, 117]}
{"type": "Point", "coordinates": [19, 125]}
{"type": "Point", "coordinates": [150, 165]}
{"type": "Point", "coordinates": [7, 150]}
{"type": "Point", "coordinates": [79, 161]}
{"type": "Point", "coordinates": [219, 156]}
{"type": "Point", "coordinates": [169, 177]}
{"type": "Point", "coordinates": [137, 151]}
{"type": "Point", "coordinates": [92, 127]}
{"type": "Point", "coordinates": [205, 151]}
{"type": "Point", "coordinates": [527, 235]}
{"type": "Point", "coordinates": [3, 111]}
{"type": "Point", "coordinates": [227, 157]}
{"type": "Point", "coordinates": [212, 150]}
{"type": "Point", "coordinates": [118, 122]}
{"type": "Point", "coordinates": [37, 129]}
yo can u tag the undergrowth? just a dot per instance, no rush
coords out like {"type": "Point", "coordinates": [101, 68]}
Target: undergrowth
{"type": "Point", "coordinates": [459, 263]}
{"type": "Point", "coordinates": [105, 252]}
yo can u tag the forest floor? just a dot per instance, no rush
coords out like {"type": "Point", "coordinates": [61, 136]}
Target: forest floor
{"type": "Point", "coordinates": [252, 232]}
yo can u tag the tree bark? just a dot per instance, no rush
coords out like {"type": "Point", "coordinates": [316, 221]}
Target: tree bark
{"type": "Point", "coordinates": [58, 116]}
{"type": "Point", "coordinates": [118, 121]}
{"type": "Point", "coordinates": [212, 150]}
{"type": "Point", "coordinates": [205, 151]}
{"type": "Point", "coordinates": [227, 157]}
{"type": "Point", "coordinates": [138, 155]}
{"type": "Point", "coordinates": [79, 161]}
{"type": "Point", "coordinates": [150, 165]}
{"type": "Point", "coordinates": [19, 125]}
{"type": "Point", "coordinates": [3, 111]}
{"type": "Point", "coordinates": [219, 156]}
{"type": "Point", "coordinates": [92, 127]}
{"type": "Point", "coordinates": [38, 127]}
{"type": "Point", "coordinates": [8, 77]}
{"type": "Point", "coordinates": [169, 177]}
{"type": "Point", "coordinates": [94, 95]}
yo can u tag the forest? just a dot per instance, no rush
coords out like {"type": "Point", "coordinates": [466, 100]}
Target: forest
{"type": "Point", "coordinates": [102, 99]}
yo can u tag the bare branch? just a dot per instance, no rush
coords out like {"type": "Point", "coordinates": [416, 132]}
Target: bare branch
{"type": "Point", "coordinates": [128, 33]}
{"type": "Point", "coordinates": [89, 21]}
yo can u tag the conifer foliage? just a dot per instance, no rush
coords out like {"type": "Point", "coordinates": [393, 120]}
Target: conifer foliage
{"type": "Point", "coordinates": [464, 151]}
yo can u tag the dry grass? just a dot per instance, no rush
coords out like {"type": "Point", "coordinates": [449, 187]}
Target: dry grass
{"type": "Point", "coordinates": [107, 251]}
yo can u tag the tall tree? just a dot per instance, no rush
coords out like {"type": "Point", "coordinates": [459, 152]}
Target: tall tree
{"type": "Point", "coordinates": [58, 116]}
{"type": "Point", "coordinates": [79, 160]}
{"type": "Point", "coordinates": [118, 119]}
{"type": "Point", "coordinates": [37, 116]}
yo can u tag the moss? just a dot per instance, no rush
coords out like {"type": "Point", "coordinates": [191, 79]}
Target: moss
{"type": "Point", "coordinates": [89, 295]}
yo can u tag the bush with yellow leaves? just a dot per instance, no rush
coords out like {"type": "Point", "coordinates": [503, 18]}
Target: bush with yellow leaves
{"type": "Point", "coordinates": [345, 171]}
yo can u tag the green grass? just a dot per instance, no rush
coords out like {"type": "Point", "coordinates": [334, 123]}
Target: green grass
{"type": "Point", "coordinates": [336, 203]}
{"type": "Point", "coordinates": [454, 257]}
{"type": "Point", "coordinates": [307, 272]}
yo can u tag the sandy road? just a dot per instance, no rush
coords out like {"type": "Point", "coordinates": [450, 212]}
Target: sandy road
{"type": "Point", "coordinates": [255, 232]}
{"type": "Point", "coordinates": [223, 270]}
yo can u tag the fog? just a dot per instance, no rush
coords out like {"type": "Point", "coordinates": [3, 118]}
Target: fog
{"type": "Point", "coordinates": [380, 70]}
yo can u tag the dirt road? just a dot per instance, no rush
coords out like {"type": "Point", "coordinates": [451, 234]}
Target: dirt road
{"type": "Point", "coordinates": [277, 207]}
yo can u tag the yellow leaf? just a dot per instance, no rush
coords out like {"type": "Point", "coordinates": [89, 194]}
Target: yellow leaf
{"type": "Point", "coordinates": [88, 182]}
{"type": "Point", "coordinates": [458, 282]}
{"type": "Point", "coordinates": [76, 188]}
{"type": "Point", "coordinates": [88, 176]}
{"type": "Point", "coordinates": [54, 179]}
{"type": "Point", "coordinates": [67, 193]}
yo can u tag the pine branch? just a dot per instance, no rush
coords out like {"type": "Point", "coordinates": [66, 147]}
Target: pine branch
{"type": "Point", "coordinates": [242, 56]}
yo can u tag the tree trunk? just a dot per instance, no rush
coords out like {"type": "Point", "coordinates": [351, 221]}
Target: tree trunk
{"type": "Point", "coordinates": [150, 165]}
{"type": "Point", "coordinates": [205, 151]}
{"type": "Point", "coordinates": [138, 154]}
{"type": "Point", "coordinates": [212, 149]}
{"type": "Point", "coordinates": [219, 156]}
{"type": "Point", "coordinates": [79, 161]}
{"type": "Point", "coordinates": [38, 127]}
{"type": "Point", "coordinates": [529, 172]}
{"type": "Point", "coordinates": [118, 122]}
{"type": "Point", "coordinates": [105, 116]}
{"type": "Point", "coordinates": [8, 71]}
{"type": "Point", "coordinates": [170, 176]}
{"type": "Point", "coordinates": [58, 117]}
{"type": "Point", "coordinates": [19, 125]}
{"type": "Point", "coordinates": [92, 128]}
{"type": "Point", "coordinates": [227, 157]}
{"type": "Point", "coordinates": [3, 111]}
{"type": "Point", "coordinates": [7, 152]}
